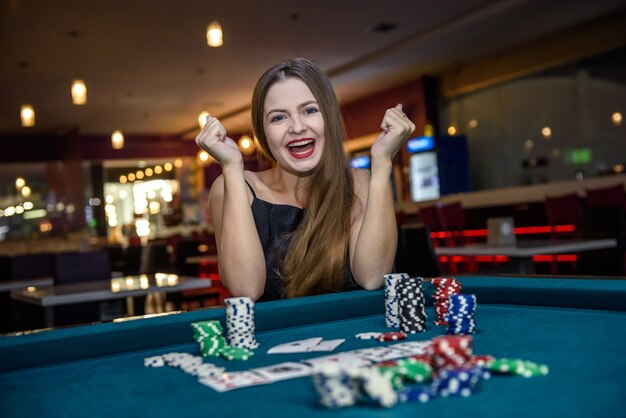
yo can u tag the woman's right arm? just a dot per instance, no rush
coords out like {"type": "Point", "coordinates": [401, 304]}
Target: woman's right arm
{"type": "Point", "coordinates": [241, 260]}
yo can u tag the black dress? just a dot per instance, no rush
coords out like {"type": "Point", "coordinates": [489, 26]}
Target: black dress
{"type": "Point", "coordinates": [274, 224]}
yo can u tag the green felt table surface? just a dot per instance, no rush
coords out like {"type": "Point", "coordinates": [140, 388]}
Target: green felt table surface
{"type": "Point", "coordinates": [98, 370]}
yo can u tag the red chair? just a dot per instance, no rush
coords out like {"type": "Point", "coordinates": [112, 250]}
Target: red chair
{"type": "Point", "coordinates": [560, 211]}
{"type": "Point", "coordinates": [564, 210]}
{"type": "Point", "coordinates": [607, 196]}
{"type": "Point", "coordinates": [452, 218]}
{"type": "Point", "coordinates": [429, 216]}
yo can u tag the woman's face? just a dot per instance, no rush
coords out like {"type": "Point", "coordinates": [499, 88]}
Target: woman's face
{"type": "Point", "coordinates": [293, 126]}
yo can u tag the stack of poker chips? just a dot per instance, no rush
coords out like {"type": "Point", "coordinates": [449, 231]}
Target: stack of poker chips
{"type": "Point", "coordinates": [240, 323]}
{"type": "Point", "coordinates": [517, 367]}
{"type": "Point", "coordinates": [446, 287]}
{"type": "Point", "coordinates": [186, 362]}
{"type": "Point", "coordinates": [460, 314]}
{"type": "Point", "coordinates": [457, 382]}
{"type": "Point", "coordinates": [339, 386]}
{"type": "Point", "coordinates": [455, 369]}
{"type": "Point", "coordinates": [411, 301]}
{"type": "Point", "coordinates": [208, 335]}
{"type": "Point", "coordinates": [450, 352]}
{"type": "Point", "coordinates": [336, 386]}
{"type": "Point", "coordinates": [391, 298]}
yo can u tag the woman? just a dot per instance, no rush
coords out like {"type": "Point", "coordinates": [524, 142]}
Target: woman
{"type": "Point", "coordinates": [309, 224]}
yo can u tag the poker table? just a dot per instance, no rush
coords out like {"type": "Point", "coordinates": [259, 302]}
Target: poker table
{"type": "Point", "coordinates": [575, 326]}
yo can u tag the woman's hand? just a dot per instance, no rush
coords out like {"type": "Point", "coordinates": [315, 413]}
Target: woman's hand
{"type": "Point", "coordinates": [212, 138]}
{"type": "Point", "coordinates": [396, 129]}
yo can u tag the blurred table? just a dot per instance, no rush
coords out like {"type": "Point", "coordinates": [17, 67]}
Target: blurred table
{"type": "Point", "coordinates": [24, 283]}
{"type": "Point", "coordinates": [521, 253]}
{"type": "Point", "coordinates": [200, 259]}
{"type": "Point", "coordinates": [105, 290]}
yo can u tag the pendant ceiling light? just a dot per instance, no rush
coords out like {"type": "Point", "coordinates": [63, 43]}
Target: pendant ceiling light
{"type": "Point", "coordinates": [246, 146]}
{"type": "Point", "coordinates": [27, 115]}
{"type": "Point", "coordinates": [214, 37]}
{"type": "Point", "coordinates": [79, 92]}
{"type": "Point", "coordinates": [117, 140]}
{"type": "Point", "coordinates": [202, 118]}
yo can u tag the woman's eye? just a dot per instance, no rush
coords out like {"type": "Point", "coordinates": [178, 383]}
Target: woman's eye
{"type": "Point", "coordinates": [277, 118]}
{"type": "Point", "coordinates": [310, 110]}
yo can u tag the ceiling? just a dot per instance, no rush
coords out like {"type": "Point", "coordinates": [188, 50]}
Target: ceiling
{"type": "Point", "coordinates": [149, 71]}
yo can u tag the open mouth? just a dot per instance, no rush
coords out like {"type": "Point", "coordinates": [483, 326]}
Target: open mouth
{"type": "Point", "coordinates": [301, 148]}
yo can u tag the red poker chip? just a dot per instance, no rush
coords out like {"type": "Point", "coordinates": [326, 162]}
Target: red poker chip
{"type": "Point", "coordinates": [438, 281]}
{"type": "Point", "coordinates": [424, 358]}
{"type": "Point", "coordinates": [387, 363]}
{"type": "Point", "coordinates": [391, 336]}
{"type": "Point", "coordinates": [481, 360]}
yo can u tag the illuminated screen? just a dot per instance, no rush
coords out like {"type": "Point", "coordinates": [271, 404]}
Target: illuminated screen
{"type": "Point", "coordinates": [421, 143]}
{"type": "Point", "coordinates": [360, 162]}
{"type": "Point", "coordinates": [424, 177]}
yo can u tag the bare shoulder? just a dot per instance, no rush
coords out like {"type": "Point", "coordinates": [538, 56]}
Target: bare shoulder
{"type": "Point", "coordinates": [252, 177]}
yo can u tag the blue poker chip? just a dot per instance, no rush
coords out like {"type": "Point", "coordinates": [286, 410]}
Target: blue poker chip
{"type": "Point", "coordinates": [416, 394]}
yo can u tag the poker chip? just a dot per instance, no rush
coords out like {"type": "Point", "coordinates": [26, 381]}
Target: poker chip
{"type": "Point", "coordinates": [415, 394]}
{"type": "Point", "coordinates": [236, 353]}
{"type": "Point", "coordinates": [481, 360]}
{"type": "Point", "coordinates": [414, 370]}
{"type": "Point", "coordinates": [391, 298]}
{"type": "Point", "coordinates": [458, 382]}
{"type": "Point", "coordinates": [518, 367]}
{"type": "Point", "coordinates": [206, 329]}
{"type": "Point", "coordinates": [340, 386]}
{"type": "Point", "coordinates": [186, 362]}
{"type": "Point", "coordinates": [208, 335]}
{"type": "Point", "coordinates": [407, 369]}
{"type": "Point", "coordinates": [391, 336]}
{"type": "Point", "coordinates": [450, 352]}
{"type": "Point", "coordinates": [336, 386]}
{"type": "Point", "coordinates": [155, 361]}
{"type": "Point", "coordinates": [411, 301]}
{"type": "Point", "coordinates": [392, 374]}
{"type": "Point", "coordinates": [240, 323]}
{"type": "Point", "coordinates": [460, 314]}
{"type": "Point", "coordinates": [377, 387]}
{"type": "Point", "coordinates": [207, 370]}
{"type": "Point", "coordinates": [368, 335]}
{"type": "Point", "coordinates": [445, 287]}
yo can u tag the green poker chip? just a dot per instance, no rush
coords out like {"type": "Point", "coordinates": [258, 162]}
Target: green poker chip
{"type": "Point", "coordinates": [518, 367]}
{"type": "Point", "coordinates": [235, 353]}
{"type": "Point", "coordinates": [211, 346]}
{"type": "Point", "coordinates": [414, 370]}
{"type": "Point", "coordinates": [206, 329]}
{"type": "Point", "coordinates": [391, 373]}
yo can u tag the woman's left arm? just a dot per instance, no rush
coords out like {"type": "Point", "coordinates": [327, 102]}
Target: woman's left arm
{"type": "Point", "coordinates": [374, 236]}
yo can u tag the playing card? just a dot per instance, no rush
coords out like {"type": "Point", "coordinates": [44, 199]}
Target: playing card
{"type": "Point", "coordinates": [412, 347]}
{"type": "Point", "coordinates": [233, 380]}
{"type": "Point", "coordinates": [300, 346]}
{"type": "Point", "coordinates": [344, 359]}
{"type": "Point", "coordinates": [283, 371]}
{"type": "Point", "coordinates": [327, 345]}
{"type": "Point", "coordinates": [377, 354]}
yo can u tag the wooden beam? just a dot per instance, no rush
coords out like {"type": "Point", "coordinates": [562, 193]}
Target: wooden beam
{"type": "Point", "coordinates": [570, 45]}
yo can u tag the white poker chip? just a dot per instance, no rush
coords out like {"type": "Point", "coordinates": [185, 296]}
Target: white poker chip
{"type": "Point", "coordinates": [156, 361]}
{"type": "Point", "coordinates": [368, 335]}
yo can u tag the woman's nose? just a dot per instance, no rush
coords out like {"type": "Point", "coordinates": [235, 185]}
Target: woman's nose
{"type": "Point", "coordinates": [296, 124]}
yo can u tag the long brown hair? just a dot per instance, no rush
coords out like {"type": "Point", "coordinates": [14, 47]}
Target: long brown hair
{"type": "Point", "coordinates": [317, 255]}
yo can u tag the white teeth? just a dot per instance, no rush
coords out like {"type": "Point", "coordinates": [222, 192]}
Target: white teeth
{"type": "Point", "coordinates": [301, 143]}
